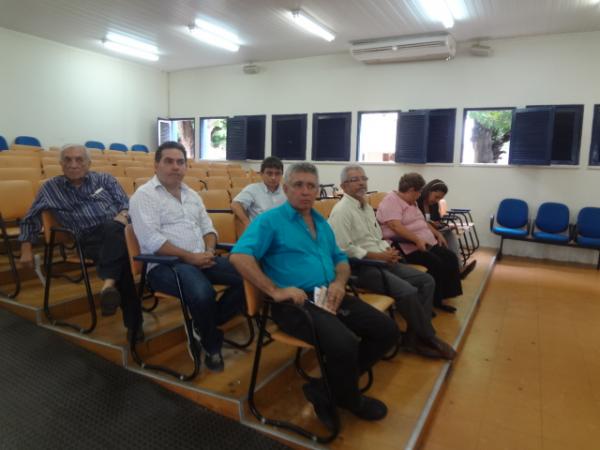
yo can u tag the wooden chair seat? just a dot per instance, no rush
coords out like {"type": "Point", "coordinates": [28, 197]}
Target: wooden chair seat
{"type": "Point", "coordinates": [287, 339]}
{"type": "Point", "coordinates": [378, 301]}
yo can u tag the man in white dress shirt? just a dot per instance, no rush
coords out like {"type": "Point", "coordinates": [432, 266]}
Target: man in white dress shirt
{"type": "Point", "coordinates": [257, 198]}
{"type": "Point", "coordinates": [170, 219]}
{"type": "Point", "coordinates": [359, 235]}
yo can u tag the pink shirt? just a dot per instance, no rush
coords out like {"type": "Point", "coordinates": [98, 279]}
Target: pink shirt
{"type": "Point", "coordinates": [392, 207]}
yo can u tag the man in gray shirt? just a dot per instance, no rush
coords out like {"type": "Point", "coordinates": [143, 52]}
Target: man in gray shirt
{"type": "Point", "coordinates": [359, 235]}
{"type": "Point", "coordinates": [257, 198]}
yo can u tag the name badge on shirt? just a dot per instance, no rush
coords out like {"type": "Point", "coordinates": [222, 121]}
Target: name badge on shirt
{"type": "Point", "coordinates": [97, 193]}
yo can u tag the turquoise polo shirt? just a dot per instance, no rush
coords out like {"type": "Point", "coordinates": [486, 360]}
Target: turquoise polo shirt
{"type": "Point", "coordinates": [281, 242]}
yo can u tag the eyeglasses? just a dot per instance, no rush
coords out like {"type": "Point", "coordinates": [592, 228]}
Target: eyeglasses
{"type": "Point", "coordinates": [298, 185]}
{"type": "Point", "coordinates": [355, 179]}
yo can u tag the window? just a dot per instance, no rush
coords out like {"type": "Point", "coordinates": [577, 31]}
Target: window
{"type": "Point", "coordinates": [331, 136]}
{"type": "Point", "coordinates": [486, 135]}
{"type": "Point", "coordinates": [246, 138]}
{"type": "Point", "coordinates": [288, 136]}
{"type": "Point", "coordinates": [425, 136]}
{"type": "Point", "coordinates": [179, 130]}
{"type": "Point", "coordinates": [377, 136]}
{"type": "Point", "coordinates": [213, 138]}
{"type": "Point", "coordinates": [595, 145]}
{"type": "Point", "coordinates": [566, 134]}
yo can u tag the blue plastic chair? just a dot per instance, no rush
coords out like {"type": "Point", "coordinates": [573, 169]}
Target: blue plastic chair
{"type": "Point", "coordinates": [118, 146]}
{"type": "Point", "coordinates": [139, 148]}
{"type": "Point", "coordinates": [28, 140]}
{"type": "Point", "coordinates": [552, 223]}
{"type": "Point", "coordinates": [587, 229]}
{"type": "Point", "coordinates": [511, 221]}
{"type": "Point", "coordinates": [95, 144]}
{"type": "Point", "coordinates": [3, 144]}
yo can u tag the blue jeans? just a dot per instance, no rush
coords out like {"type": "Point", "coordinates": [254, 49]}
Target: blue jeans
{"type": "Point", "coordinates": [200, 297]}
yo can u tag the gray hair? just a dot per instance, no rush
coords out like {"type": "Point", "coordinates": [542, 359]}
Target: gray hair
{"type": "Point", "coordinates": [66, 147]}
{"type": "Point", "coordinates": [344, 175]}
{"type": "Point", "coordinates": [302, 167]}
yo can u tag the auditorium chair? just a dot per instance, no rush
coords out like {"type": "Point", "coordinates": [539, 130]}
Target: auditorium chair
{"type": "Point", "coordinates": [325, 205]}
{"type": "Point", "coordinates": [21, 173]}
{"type": "Point", "coordinates": [16, 197]}
{"type": "Point", "coordinates": [217, 183]}
{"type": "Point", "coordinates": [240, 182]}
{"type": "Point", "coordinates": [137, 182]}
{"type": "Point", "coordinates": [195, 184]}
{"type": "Point", "coordinates": [551, 223]}
{"type": "Point", "coordinates": [52, 171]}
{"type": "Point", "coordinates": [233, 192]}
{"type": "Point", "coordinates": [3, 144]}
{"type": "Point", "coordinates": [139, 172]}
{"type": "Point", "coordinates": [28, 140]}
{"type": "Point", "coordinates": [216, 200]}
{"type": "Point", "coordinates": [95, 145]}
{"type": "Point", "coordinates": [375, 199]}
{"type": "Point", "coordinates": [118, 146]}
{"type": "Point", "coordinates": [139, 148]}
{"type": "Point", "coordinates": [218, 173]}
{"type": "Point", "coordinates": [20, 161]}
{"type": "Point", "coordinates": [511, 221]}
{"type": "Point", "coordinates": [586, 232]}
{"type": "Point", "coordinates": [138, 263]}
{"type": "Point", "coordinates": [127, 184]}
{"type": "Point", "coordinates": [237, 172]}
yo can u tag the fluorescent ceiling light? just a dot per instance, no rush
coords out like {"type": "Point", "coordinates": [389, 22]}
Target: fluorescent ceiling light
{"type": "Point", "coordinates": [131, 47]}
{"type": "Point", "coordinates": [309, 24]}
{"type": "Point", "coordinates": [458, 9]}
{"type": "Point", "coordinates": [215, 35]}
{"type": "Point", "coordinates": [439, 11]}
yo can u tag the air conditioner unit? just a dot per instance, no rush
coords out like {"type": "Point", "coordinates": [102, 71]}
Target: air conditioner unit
{"type": "Point", "coordinates": [404, 49]}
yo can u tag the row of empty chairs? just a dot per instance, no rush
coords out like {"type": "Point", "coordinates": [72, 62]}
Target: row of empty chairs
{"type": "Point", "coordinates": [32, 141]}
{"type": "Point", "coordinates": [552, 225]}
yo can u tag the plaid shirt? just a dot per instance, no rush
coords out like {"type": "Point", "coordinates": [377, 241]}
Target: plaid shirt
{"type": "Point", "coordinates": [79, 209]}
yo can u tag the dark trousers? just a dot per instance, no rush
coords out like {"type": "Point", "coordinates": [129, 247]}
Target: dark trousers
{"type": "Point", "coordinates": [443, 266]}
{"type": "Point", "coordinates": [412, 289]}
{"type": "Point", "coordinates": [105, 245]}
{"type": "Point", "coordinates": [351, 341]}
{"type": "Point", "coordinates": [200, 297]}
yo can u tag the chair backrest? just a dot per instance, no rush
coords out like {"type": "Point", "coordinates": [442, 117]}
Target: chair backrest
{"type": "Point", "coordinates": [195, 184]}
{"type": "Point", "coordinates": [118, 146]}
{"type": "Point", "coordinates": [3, 144]}
{"type": "Point", "coordinates": [375, 199]}
{"type": "Point", "coordinates": [196, 173]}
{"type": "Point", "coordinates": [127, 185]}
{"type": "Point", "coordinates": [140, 181]}
{"type": "Point", "coordinates": [52, 171]}
{"type": "Point", "coordinates": [552, 217]}
{"type": "Point", "coordinates": [224, 223]}
{"type": "Point", "coordinates": [588, 222]}
{"type": "Point", "coordinates": [233, 166]}
{"type": "Point", "coordinates": [237, 172]}
{"type": "Point", "coordinates": [20, 148]}
{"type": "Point", "coordinates": [215, 199]}
{"type": "Point", "coordinates": [20, 161]}
{"type": "Point", "coordinates": [133, 249]}
{"type": "Point", "coordinates": [240, 182]}
{"type": "Point", "coordinates": [218, 172]}
{"type": "Point", "coordinates": [123, 162]}
{"type": "Point", "coordinates": [139, 148]}
{"type": "Point", "coordinates": [95, 144]}
{"type": "Point", "coordinates": [325, 206]}
{"type": "Point", "coordinates": [28, 140]}
{"type": "Point", "coordinates": [140, 156]}
{"type": "Point", "coordinates": [21, 173]}
{"type": "Point", "coordinates": [233, 192]}
{"type": "Point", "coordinates": [139, 172]}
{"type": "Point", "coordinates": [50, 161]}
{"type": "Point", "coordinates": [16, 197]}
{"type": "Point", "coordinates": [113, 170]}
{"type": "Point", "coordinates": [254, 299]}
{"type": "Point", "coordinates": [49, 221]}
{"type": "Point", "coordinates": [512, 213]}
{"type": "Point", "coordinates": [218, 183]}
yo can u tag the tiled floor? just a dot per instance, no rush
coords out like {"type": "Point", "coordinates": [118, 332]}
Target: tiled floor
{"type": "Point", "coordinates": [528, 376]}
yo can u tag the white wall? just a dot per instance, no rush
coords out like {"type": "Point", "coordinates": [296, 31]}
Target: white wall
{"type": "Point", "coordinates": [61, 94]}
{"type": "Point", "coordinates": [537, 70]}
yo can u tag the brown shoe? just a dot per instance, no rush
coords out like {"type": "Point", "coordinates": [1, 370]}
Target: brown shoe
{"type": "Point", "coordinates": [445, 350]}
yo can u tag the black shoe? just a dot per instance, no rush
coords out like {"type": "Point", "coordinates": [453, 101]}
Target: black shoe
{"type": "Point", "coordinates": [468, 269]}
{"type": "Point", "coordinates": [110, 299]}
{"type": "Point", "coordinates": [446, 308]}
{"type": "Point", "coordinates": [324, 410]}
{"type": "Point", "coordinates": [445, 350]}
{"type": "Point", "coordinates": [214, 362]}
{"type": "Point", "coordinates": [139, 337]}
{"type": "Point", "coordinates": [368, 408]}
{"type": "Point", "coordinates": [412, 344]}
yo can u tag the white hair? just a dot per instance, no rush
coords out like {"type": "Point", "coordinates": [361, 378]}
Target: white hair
{"type": "Point", "coordinates": [302, 167]}
{"type": "Point", "coordinates": [344, 175]}
{"type": "Point", "coordinates": [66, 147]}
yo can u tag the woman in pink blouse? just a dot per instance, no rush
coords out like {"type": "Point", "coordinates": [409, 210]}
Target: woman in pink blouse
{"type": "Point", "coordinates": [400, 217]}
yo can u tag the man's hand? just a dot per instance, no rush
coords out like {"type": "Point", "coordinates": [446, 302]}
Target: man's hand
{"type": "Point", "coordinates": [122, 217]}
{"type": "Point", "coordinates": [390, 256]}
{"type": "Point", "coordinates": [203, 260]}
{"type": "Point", "coordinates": [335, 295]}
{"type": "Point", "coordinates": [421, 244]}
{"type": "Point", "coordinates": [441, 240]}
{"type": "Point", "coordinates": [298, 296]}
{"type": "Point", "coordinates": [26, 259]}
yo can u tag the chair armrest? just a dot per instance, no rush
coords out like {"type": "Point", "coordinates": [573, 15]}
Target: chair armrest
{"type": "Point", "coordinates": [157, 259]}
{"type": "Point", "coordinates": [492, 217]}
{"type": "Point", "coordinates": [366, 262]}
{"type": "Point", "coordinates": [225, 246]}
{"type": "Point", "coordinates": [228, 211]}
{"type": "Point", "coordinates": [460, 210]}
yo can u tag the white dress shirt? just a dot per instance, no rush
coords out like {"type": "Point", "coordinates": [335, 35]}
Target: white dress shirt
{"type": "Point", "coordinates": [356, 229]}
{"type": "Point", "coordinates": [158, 217]}
{"type": "Point", "coordinates": [256, 198]}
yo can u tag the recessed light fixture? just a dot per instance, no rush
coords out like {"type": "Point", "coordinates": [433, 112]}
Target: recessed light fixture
{"type": "Point", "coordinates": [439, 11]}
{"type": "Point", "coordinates": [215, 35]}
{"type": "Point", "coordinates": [311, 25]}
{"type": "Point", "coordinates": [132, 47]}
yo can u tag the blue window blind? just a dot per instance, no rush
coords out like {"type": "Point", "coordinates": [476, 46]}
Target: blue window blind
{"type": "Point", "coordinates": [245, 137]}
{"type": "Point", "coordinates": [440, 142]}
{"type": "Point", "coordinates": [566, 138]}
{"type": "Point", "coordinates": [331, 136]}
{"type": "Point", "coordinates": [236, 139]}
{"type": "Point", "coordinates": [531, 136]}
{"type": "Point", "coordinates": [288, 136]}
{"type": "Point", "coordinates": [595, 145]}
{"type": "Point", "coordinates": [411, 137]}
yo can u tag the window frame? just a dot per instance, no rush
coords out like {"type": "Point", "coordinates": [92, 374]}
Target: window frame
{"type": "Point", "coordinates": [595, 137]}
{"type": "Point", "coordinates": [345, 157]}
{"type": "Point", "coordinates": [462, 137]}
{"type": "Point", "coordinates": [303, 117]}
{"type": "Point", "coordinates": [200, 152]}
{"type": "Point", "coordinates": [358, 124]}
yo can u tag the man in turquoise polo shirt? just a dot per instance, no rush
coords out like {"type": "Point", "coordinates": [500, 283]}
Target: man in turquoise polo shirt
{"type": "Point", "coordinates": [289, 251]}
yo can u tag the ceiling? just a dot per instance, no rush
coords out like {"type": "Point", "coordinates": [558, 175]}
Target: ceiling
{"type": "Point", "coordinates": [266, 32]}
